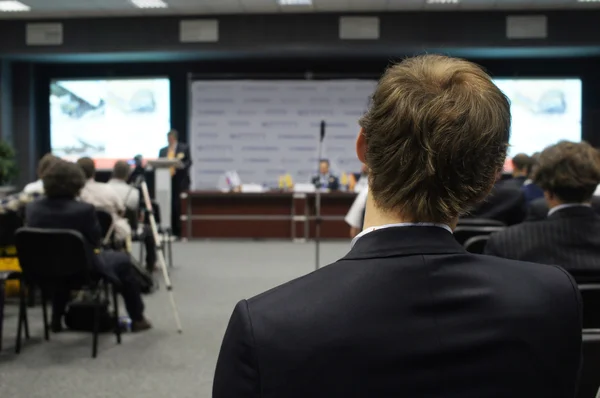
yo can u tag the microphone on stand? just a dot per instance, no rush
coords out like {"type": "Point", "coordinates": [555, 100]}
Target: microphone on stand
{"type": "Point", "coordinates": [322, 132]}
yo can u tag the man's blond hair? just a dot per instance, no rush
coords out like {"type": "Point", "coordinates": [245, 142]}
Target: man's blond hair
{"type": "Point", "coordinates": [436, 135]}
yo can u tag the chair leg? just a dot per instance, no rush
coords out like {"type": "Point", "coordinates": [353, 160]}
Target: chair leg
{"type": "Point", "coordinates": [170, 248]}
{"type": "Point", "coordinates": [115, 300]}
{"type": "Point", "coordinates": [23, 303]}
{"type": "Point", "coordinates": [22, 317]}
{"type": "Point", "coordinates": [2, 298]}
{"type": "Point", "coordinates": [45, 314]}
{"type": "Point", "coordinates": [95, 331]}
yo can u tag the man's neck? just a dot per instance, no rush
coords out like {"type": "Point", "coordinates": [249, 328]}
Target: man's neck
{"type": "Point", "coordinates": [375, 217]}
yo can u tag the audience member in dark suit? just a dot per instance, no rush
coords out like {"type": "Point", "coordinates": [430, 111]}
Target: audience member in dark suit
{"type": "Point", "coordinates": [505, 203]}
{"type": "Point", "coordinates": [60, 209]}
{"type": "Point", "coordinates": [570, 235]}
{"type": "Point", "coordinates": [325, 179]}
{"type": "Point", "coordinates": [521, 166]}
{"type": "Point", "coordinates": [538, 209]}
{"type": "Point", "coordinates": [530, 189]}
{"type": "Point", "coordinates": [180, 178]}
{"type": "Point", "coordinates": [408, 312]}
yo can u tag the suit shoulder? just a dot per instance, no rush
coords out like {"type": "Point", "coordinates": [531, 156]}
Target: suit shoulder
{"type": "Point", "coordinates": [520, 229]}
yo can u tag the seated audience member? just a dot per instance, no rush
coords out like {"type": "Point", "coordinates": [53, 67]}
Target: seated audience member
{"type": "Point", "coordinates": [570, 236]}
{"type": "Point", "coordinates": [538, 209]}
{"type": "Point", "coordinates": [408, 312]}
{"type": "Point", "coordinates": [129, 194]}
{"type": "Point", "coordinates": [104, 197]}
{"type": "Point", "coordinates": [359, 181]}
{"type": "Point", "coordinates": [504, 203]}
{"type": "Point", "coordinates": [131, 197]}
{"type": "Point", "coordinates": [60, 209]}
{"type": "Point", "coordinates": [521, 167]}
{"type": "Point", "coordinates": [38, 186]}
{"type": "Point", "coordinates": [325, 179]}
{"type": "Point", "coordinates": [356, 214]}
{"type": "Point", "coordinates": [531, 191]}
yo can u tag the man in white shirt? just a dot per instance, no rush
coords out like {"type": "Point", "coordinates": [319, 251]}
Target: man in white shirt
{"type": "Point", "coordinates": [356, 214]}
{"type": "Point", "coordinates": [128, 194]}
{"type": "Point", "coordinates": [37, 187]}
{"type": "Point", "coordinates": [104, 197]}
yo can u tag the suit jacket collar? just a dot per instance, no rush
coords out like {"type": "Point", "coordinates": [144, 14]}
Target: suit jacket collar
{"type": "Point", "coordinates": [573, 212]}
{"type": "Point", "coordinates": [404, 241]}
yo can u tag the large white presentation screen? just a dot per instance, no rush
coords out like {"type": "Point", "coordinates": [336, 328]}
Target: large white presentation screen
{"type": "Point", "coordinates": [109, 119]}
{"type": "Point", "coordinates": [544, 111]}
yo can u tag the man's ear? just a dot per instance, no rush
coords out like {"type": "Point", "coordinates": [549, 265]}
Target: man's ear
{"type": "Point", "coordinates": [361, 146]}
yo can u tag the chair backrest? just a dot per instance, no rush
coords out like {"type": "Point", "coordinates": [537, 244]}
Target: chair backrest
{"type": "Point", "coordinates": [589, 382]}
{"type": "Point", "coordinates": [105, 219]}
{"type": "Point", "coordinates": [132, 218]}
{"type": "Point", "coordinates": [9, 223]}
{"type": "Point", "coordinates": [462, 233]}
{"type": "Point", "coordinates": [155, 211]}
{"type": "Point", "coordinates": [53, 254]}
{"type": "Point", "coordinates": [590, 295]}
{"type": "Point", "coordinates": [476, 244]}
{"type": "Point", "coordinates": [481, 222]}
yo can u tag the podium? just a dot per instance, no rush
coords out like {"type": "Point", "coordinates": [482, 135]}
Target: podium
{"type": "Point", "coordinates": [162, 186]}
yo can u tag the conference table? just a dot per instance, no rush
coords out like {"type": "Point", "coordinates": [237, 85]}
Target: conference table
{"type": "Point", "coordinates": [268, 215]}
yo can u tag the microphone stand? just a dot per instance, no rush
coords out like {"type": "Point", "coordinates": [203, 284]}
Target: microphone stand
{"type": "Point", "coordinates": [318, 201]}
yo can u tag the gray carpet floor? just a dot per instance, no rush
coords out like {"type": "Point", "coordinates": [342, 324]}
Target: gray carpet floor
{"type": "Point", "coordinates": [208, 279]}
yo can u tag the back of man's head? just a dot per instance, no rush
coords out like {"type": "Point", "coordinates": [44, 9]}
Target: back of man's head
{"type": "Point", "coordinates": [521, 162]}
{"type": "Point", "coordinates": [88, 166]}
{"type": "Point", "coordinates": [121, 170]}
{"type": "Point", "coordinates": [569, 171]}
{"type": "Point", "coordinates": [45, 163]}
{"type": "Point", "coordinates": [63, 180]}
{"type": "Point", "coordinates": [435, 138]}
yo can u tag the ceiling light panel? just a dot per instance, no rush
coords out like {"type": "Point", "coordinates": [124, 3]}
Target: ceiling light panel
{"type": "Point", "coordinates": [149, 3]}
{"type": "Point", "coordinates": [295, 2]}
{"type": "Point", "coordinates": [13, 6]}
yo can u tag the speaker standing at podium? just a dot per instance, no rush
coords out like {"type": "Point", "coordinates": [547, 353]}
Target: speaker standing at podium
{"type": "Point", "coordinates": [180, 178]}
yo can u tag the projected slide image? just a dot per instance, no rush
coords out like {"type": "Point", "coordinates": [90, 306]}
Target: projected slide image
{"type": "Point", "coordinates": [544, 111]}
{"type": "Point", "coordinates": [109, 119]}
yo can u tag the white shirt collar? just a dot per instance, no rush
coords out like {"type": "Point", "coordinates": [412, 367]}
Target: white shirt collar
{"type": "Point", "coordinates": [566, 206]}
{"type": "Point", "coordinates": [404, 224]}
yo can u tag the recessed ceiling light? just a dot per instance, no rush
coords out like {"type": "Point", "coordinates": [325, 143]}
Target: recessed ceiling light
{"type": "Point", "coordinates": [442, 1]}
{"type": "Point", "coordinates": [13, 6]}
{"type": "Point", "coordinates": [588, 1]}
{"type": "Point", "coordinates": [295, 2]}
{"type": "Point", "coordinates": [149, 3]}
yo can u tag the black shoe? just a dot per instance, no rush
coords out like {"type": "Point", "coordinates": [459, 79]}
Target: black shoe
{"type": "Point", "coordinates": [140, 326]}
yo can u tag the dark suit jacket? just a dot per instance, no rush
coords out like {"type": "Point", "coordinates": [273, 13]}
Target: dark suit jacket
{"type": "Point", "coordinates": [333, 184]}
{"type": "Point", "coordinates": [66, 214]}
{"type": "Point", "coordinates": [407, 313]}
{"type": "Point", "coordinates": [505, 203]}
{"type": "Point", "coordinates": [569, 237]}
{"type": "Point", "coordinates": [181, 179]}
{"type": "Point", "coordinates": [538, 209]}
{"type": "Point", "coordinates": [515, 182]}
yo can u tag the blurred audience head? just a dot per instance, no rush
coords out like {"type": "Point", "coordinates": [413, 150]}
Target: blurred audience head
{"type": "Point", "coordinates": [45, 163]}
{"type": "Point", "coordinates": [434, 138]}
{"type": "Point", "coordinates": [521, 164]}
{"type": "Point", "coordinates": [324, 166]}
{"type": "Point", "coordinates": [63, 180]}
{"type": "Point", "coordinates": [172, 137]}
{"type": "Point", "coordinates": [88, 166]}
{"type": "Point", "coordinates": [533, 162]}
{"type": "Point", "coordinates": [121, 170]}
{"type": "Point", "coordinates": [568, 172]}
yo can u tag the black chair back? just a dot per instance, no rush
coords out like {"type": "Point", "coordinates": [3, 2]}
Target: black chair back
{"type": "Point", "coordinates": [480, 222]}
{"type": "Point", "coordinates": [590, 296]}
{"type": "Point", "coordinates": [589, 382]}
{"type": "Point", "coordinates": [462, 233]}
{"type": "Point", "coordinates": [46, 255]}
{"type": "Point", "coordinates": [155, 211]}
{"type": "Point", "coordinates": [9, 223]}
{"type": "Point", "coordinates": [132, 218]}
{"type": "Point", "coordinates": [105, 219]}
{"type": "Point", "coordinates": [476, 244]}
